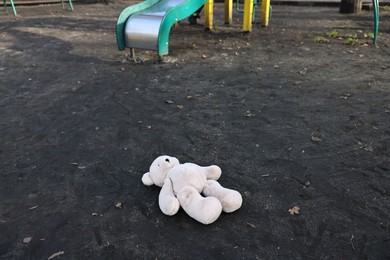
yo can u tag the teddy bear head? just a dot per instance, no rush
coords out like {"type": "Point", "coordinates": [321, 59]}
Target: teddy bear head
{"type": "Point", "coordinates": [159, 169]}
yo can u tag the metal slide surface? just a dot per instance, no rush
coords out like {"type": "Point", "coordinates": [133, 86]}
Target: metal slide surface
{"type": "Point", "coordinates": [149, 27]}
{"type": "Point", "coordinates": [142, 29]}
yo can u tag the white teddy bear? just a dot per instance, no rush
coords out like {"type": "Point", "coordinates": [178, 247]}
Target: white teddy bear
{"type": "Point", "coordinates": [182, 184]}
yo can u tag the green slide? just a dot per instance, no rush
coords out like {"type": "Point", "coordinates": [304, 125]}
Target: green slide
{"type": "Point", "coordinates": [146, 25]}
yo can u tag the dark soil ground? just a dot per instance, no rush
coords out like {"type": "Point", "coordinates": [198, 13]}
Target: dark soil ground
{"type": "Point", "coordinates": [292, 114]}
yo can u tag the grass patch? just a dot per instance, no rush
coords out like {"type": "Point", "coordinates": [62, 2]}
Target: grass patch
{"type": "Point", "coordinates": [384, 8]}
{"type": "Point", "coordinates": [333, 34]}
{"type": "Point", "coordinates": [351, 39]}
{"type": "Point", "coordinates": [359, 38]}
{"type": "Point", "coordinates": [320, 39]}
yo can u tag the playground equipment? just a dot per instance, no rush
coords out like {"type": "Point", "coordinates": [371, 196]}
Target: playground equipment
{"type": "Point", "coordinates": [13, 6]}
{"type": "Point", "coordinates": [146, 25]}
{"type": "Point", "coordinates": [255, 4]}
{"type": "Point", "coordinates": [14, 9]}
{"type": "Point", "coordinates": [376, 19]}
{"type": "Point", "coordinates": [248, 13]}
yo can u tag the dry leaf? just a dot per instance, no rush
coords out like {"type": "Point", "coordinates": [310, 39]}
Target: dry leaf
{"type": "Point", "coordinates": [315, 138]}
{"type": "Point", "coordinates": [250, 224]}
{"type": "Point", "coordinates": [180, 106]}
{"type": "Point", "coordinates": [367, 147]}
{"type": "Point", "coordinates": [56, 254]}
{"type": "Point", "coordinates": [94, 214]}
{"type": "Point", "coordinates": [118, 205]}
{"type": "Point", "coordinates": [294, 210]}
{"type": "Point", "coordinates": [345, 95]}
{"type": "Point", "coordinates": [169, 101]}
{"type": "Point", "coordinates": [27, 240]}
{"type": "Point", "coordinates": [34, 207]}
{"type": "Point", "coordinates": [249, 114]}
{"type": "Point", "coordinates": [247, 194]}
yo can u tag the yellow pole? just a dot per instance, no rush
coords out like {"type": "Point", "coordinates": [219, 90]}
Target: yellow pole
{"type": "Point", "coordinates": [248, 10]}
{"type": "Point", "coordinates": [265, 7]}
{"type": "Point", "coordinates": [208, 14]}
{"type": "Point", "coordinates": [228, 11]}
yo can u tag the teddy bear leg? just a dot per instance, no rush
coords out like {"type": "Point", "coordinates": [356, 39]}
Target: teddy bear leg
{"type": "Point", "coordinates": [167, 200]}
{"type": "Point", "coordinates": [231, 200]}
{"type": "Point", "coordinates": [204, 210]}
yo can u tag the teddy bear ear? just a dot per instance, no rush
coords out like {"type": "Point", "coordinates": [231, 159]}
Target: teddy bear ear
{"type": "Point", "coordinates": [146, 180]}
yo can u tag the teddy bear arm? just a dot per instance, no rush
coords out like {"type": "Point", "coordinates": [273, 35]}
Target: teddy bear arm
{"type": "Point", "coordinates": [231, 200]}
{"type": "Point", "coordinates": [167, 200]}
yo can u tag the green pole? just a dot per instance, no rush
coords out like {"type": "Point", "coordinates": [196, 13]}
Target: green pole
{"type": "Point", "coordinates": [376, 19]}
